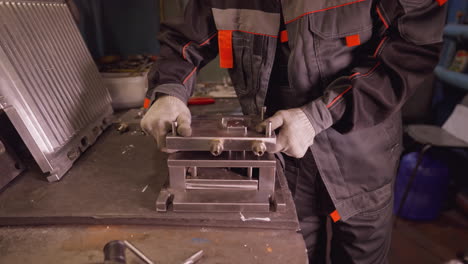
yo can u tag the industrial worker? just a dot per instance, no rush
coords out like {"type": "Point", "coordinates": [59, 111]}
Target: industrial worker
{"type": "Point", "coordinates": [334, 75]}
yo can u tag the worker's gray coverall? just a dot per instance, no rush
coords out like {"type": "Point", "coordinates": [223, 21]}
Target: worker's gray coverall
{"type": "Point", "coordinates": [352, 64]}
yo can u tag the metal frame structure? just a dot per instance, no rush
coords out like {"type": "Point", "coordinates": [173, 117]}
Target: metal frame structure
{"type": "Point", "coordinates": [223, 133]}
{"type": "Point", "coordinates": [201, 174]}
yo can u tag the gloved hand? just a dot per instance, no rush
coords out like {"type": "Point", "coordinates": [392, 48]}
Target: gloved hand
{"type": "Point", "coordinates": [296, 133]}
{"type": "Point", "coordinates": [158, 120]}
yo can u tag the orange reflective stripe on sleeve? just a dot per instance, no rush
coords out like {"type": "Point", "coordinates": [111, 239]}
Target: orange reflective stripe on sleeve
{"type": "Point", "coordinates": [335, 216]}
{"type": "Point", "coordinates": [340, 95]}
{"type": "Point", "coordinates": [184, 49]}
{"type": "Point", "coordinates": [284, 36]}
{"type": "Point", "coordinates": [382, 18]}
{"type": "Point", "coordinates": [225, 49]}
{"type": "Point", "coordinates": [146, 103]}
{"type": "Point", "coordinates": [353, 40]}
{"type": "Point", "coordinates": [190, 75]}
{"type": "Point", "coordinates": [376, 52]}
{"type": "Point", "coordinates": [441, 2]}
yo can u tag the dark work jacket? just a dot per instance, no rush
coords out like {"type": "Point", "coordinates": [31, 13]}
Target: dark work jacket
{"type": "Point", "coordinates": [350, 65]}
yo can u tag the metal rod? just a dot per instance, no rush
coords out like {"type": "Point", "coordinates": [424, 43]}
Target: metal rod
{"type": "Point", "coordinates": [262, 113]}
{"type": "Point", "coordinates": [174, 128]}
{"type": "Point", "coordinates": [138, 253]}
{"type": "Point", "coordinates": [250, 172]}
{"type": "Point", "coordinates": [192, 186]}
{"type": "Point", "coordinates": [268, 129]}
{"type": "Point", "coordinates": [194, 172]}
{"type": "Point", "coordinates": [196, 257]}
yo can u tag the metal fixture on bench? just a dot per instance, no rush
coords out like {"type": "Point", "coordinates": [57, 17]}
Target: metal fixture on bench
{"type": "Point", "coordinates": [222, 167]}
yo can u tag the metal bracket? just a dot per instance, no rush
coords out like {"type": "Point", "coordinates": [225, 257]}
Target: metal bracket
{"type": "Point", "coordinates": [3, 103]}
{"type": "Point", "coordinates": [219, 192]}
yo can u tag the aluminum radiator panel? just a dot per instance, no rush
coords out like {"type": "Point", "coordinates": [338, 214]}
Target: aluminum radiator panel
{"type": "Point", "coordinates": [50, 87]}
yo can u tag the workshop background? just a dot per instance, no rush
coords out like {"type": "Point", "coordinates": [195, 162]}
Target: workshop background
{"type": "Point", "coordinates": [431, 190]}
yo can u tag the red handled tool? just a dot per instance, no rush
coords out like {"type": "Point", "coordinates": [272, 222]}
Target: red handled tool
{"type": "Point", "coordinates": [201, 101]}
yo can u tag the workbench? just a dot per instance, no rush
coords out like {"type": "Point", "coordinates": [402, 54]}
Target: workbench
{"type": "Point", "coordinates": [110, 194]}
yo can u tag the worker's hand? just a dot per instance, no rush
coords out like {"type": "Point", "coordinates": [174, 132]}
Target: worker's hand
{"type": "Point", "coordinates": [158, 120]}
{"type": "Point", "coordinates": [296, 133]}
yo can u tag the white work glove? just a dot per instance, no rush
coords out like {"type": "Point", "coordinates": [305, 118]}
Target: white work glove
{"type": "Point", "coordinates": [158, 120]}
{"type": "Point", "coordinates": [296, 133]}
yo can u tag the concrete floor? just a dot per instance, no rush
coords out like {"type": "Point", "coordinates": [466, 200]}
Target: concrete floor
{"type": "Point", "coordinates": [432, 242]}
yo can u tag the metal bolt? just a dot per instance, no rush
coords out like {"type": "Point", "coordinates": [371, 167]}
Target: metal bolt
{"type": "Point", "coordinates": [3, 103]}
{"type": "Point", "coordinates": [216, 147]}
{"type": "Point", "coordinates": [73, 154]}
{"type": "Point", "coordinates": [122, 128]}
{"type": "Point", "coordinates": [258, 148]}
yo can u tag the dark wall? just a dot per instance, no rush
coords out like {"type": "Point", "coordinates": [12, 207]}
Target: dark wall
{"type": "Point", "coordinates": [124, 27]}
{"type": "Point", "coordinates": [131, 27]}
{"type": "Point", "coordinates": [119, 27]}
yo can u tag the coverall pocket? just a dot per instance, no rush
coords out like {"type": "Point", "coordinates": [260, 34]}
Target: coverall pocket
{"type": "Point", "coordinates": [393, 130]}
{"type": "Point", "coordinates": [336, 32]}
{"type": "Point", "coordinates": [249, 39]}
{"type": "Point", "coordinates": [421, 29]}
{"type": "Point", "coordinates": [342, 21]}
{"type": "Point", "coordinates": [378, 210]}
{"type": "Point", "coordinates": [247, 64]}
{"type": "Point", "coordinates": [242, 72]}
{"type": "Point", "coordinates": [415, 3]}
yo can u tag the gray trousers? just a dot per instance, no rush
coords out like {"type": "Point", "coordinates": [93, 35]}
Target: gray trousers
{"type": "Point", "coordinates": [364, 238]}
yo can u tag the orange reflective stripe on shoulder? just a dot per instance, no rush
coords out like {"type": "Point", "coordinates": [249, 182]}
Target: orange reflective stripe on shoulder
{"type": "Point", "coordinates": [353, 40]}
{"type": "Point", "coordinates": [335, 216]}
{"type": "Point", "coordinates": [441, 2]}
{"type": "Point", "coordinates": [225, 49]}
{"type": "Point", "coordinates": [146, 103]}
{"type": "Point", "coordinates": [329, 7]}
{"type": "Point", "coordinates": [284, 36]}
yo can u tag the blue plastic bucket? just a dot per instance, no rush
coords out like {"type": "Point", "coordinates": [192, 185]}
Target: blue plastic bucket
{"type": "Point", "coordinates": [429, 190]}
